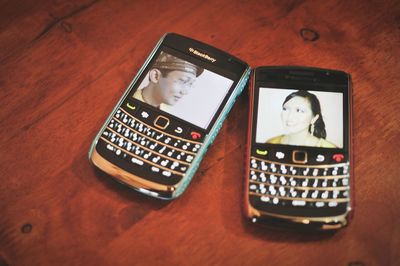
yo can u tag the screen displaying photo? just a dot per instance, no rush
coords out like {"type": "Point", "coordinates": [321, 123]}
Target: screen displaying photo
{"type": "Point", "coordinates": [183, 89]}
{"type": "Point", "coordinates": [300, 118]}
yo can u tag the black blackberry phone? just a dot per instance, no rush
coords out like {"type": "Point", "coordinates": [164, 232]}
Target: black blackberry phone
{"type": "Point", "coordinates": [298, 165]}
{"type": "Point", "coordinates": [159, 131]}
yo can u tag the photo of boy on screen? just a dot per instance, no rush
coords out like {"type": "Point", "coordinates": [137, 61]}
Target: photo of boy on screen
{"type": "Point", "coordinates": [170, 79]}
{"type": "Point", "coordinates": [183, 89]}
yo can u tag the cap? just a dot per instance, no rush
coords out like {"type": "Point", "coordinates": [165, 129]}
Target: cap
{"type": "Point", "coordinates": [170, 62]}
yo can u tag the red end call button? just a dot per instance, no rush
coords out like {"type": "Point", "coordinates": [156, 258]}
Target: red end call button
{"type": "Point", "coordinates": [195, 135]}
{"type": "Point", "coordinates": [338, 157]}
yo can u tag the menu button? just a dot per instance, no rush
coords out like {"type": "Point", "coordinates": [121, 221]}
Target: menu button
{"type": "Point", "coordinates": [161, 122]}
{"type": "Point", "coordinates": [299, 157]}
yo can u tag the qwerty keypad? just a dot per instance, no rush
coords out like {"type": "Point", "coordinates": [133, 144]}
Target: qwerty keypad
{"type": "Point", "coordinates": [317, 186]}
{"type": "Point", "coordinates": [144, 146]}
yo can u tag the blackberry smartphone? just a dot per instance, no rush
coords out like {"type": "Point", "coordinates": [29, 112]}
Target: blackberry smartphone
{"type": "Point", "coordinates": [298, 172]}
{"type": "Point", "coordinates": [157, 134]}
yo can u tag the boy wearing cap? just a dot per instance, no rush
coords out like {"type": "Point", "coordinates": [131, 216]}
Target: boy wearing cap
{"type": "Point", "coordinates": [170, 78]}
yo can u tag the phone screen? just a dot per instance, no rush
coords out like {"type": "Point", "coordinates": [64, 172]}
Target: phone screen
{"type": "Point", "coordinates": [300, 117]}
{"type": "Point", "coordinates": [183, 89]}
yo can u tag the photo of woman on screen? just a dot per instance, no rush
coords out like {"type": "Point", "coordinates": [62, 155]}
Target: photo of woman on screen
{"type": "Point", "coordinates": [303, 122]}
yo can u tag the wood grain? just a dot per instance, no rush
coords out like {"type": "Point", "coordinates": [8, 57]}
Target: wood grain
{"type": "Point", "coordinates": [64, 65]}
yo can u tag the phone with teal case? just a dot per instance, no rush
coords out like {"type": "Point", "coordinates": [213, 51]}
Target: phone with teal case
{"type": "Point", "coordinates": [158, 133]}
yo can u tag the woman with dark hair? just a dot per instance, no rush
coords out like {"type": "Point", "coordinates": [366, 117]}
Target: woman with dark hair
{"type": "Point", "coordinates": [302, 119]}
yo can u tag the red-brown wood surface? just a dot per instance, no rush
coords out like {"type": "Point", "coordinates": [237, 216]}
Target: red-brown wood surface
{"type": "Point", "coordinates": [64, 65]}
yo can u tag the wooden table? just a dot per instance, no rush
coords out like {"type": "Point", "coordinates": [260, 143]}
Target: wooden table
{"type": "Point", "coordinates": [64, 65]}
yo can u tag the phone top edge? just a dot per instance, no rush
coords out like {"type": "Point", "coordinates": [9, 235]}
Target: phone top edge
{"type": "Point", "coordinates": [297, 67]}
{"type": "Point", "coordinates": [171, 35]}
{"type": "Point", "coordinates": [293, 76]}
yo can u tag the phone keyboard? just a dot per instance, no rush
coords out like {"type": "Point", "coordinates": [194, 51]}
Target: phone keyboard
{"type": "Point", "coordinates": [144, 146]}
{"type": "Point", "coordinates": [316, 186]}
